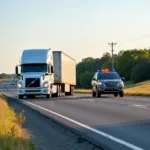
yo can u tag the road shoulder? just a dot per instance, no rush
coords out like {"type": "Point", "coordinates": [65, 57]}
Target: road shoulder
{"type": "Point", "coordinates": [46, 134]}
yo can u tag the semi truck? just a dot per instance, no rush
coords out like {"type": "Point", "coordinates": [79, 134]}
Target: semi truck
{"type": "Point", "coordinates": [46, 73]}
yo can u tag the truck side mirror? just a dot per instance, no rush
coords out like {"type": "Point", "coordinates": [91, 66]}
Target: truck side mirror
{"type": "Point", "coordinates": [16, 70]}
{"type": "Point", "coordinates": [52, 69]}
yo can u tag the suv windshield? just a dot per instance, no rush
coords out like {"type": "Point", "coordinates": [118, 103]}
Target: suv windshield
{"type": "Point", "coordinates": [110, 75]}
{"type": "Point", "coordinates": [34, 68]}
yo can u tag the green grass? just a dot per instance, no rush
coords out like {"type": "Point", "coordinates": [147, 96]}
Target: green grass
{"type": "Point", "coordinates": [12, 135]}
{"type": "Point", "coordinates": [139, 89]}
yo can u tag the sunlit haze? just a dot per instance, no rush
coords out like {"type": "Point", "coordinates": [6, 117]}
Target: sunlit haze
{"type": "Point", "coordinates": [80, 28]}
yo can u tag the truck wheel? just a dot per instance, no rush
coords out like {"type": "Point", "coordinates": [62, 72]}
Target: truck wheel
{"type": "Point", "coordinates": [58, 93]}
{"type": "Point", "coordinates": [20, 96]}
{"type": "Point", "coordinates": [30, 96]}
{"type": "Point", "coordinates": [66, 93]}
{"type": "Point", "coordinates": [72, 90]}
{"type": "Point", "coordinates": [59, 90]}
{"type": "Point", "coordinates": [48, 96]}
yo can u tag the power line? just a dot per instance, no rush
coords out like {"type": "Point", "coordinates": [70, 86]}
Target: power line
{"type": "Point", "coordinates": [112, 50]}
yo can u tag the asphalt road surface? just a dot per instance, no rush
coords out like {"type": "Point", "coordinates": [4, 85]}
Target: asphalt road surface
{"type": "Point", "coordinates": [115, 123]}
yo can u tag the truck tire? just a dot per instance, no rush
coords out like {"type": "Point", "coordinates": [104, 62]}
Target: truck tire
{"type": "Point", "coordinates": [31, 96]}
{"type": "Point", "coordinates": [58, 93]}
{"type": "Point", "coordinates": [48, 96]}
{"type": "Point", "coordinates": [66, 93]}
{"type": "Point", "coordinates": [21, 96]}
{"type": "Point", "coordinates": [71, 90]}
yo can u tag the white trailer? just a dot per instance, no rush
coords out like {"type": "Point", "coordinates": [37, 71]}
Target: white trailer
{"type": "Point", "coordinates": [44, 72]}
{"type": "Point", "coordinates": [64, 72]}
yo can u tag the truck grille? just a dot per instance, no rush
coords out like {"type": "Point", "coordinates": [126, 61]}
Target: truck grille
{"type": "Point", "coordinates": [32, 82]}
{"type": "Point", "coordinates": [111, 84]}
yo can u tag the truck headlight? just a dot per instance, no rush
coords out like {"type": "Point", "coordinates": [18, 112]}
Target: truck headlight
{"type": "Point", "coordinates": [19, 85]}
{"type": "Point", "coordinates": [45, 85]}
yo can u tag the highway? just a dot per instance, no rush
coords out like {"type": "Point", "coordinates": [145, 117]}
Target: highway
{"type": "Point", "coordinates": [112, 123]}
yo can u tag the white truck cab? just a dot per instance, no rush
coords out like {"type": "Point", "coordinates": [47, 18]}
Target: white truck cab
{"type": "Point", "coordinates": [37, 75]}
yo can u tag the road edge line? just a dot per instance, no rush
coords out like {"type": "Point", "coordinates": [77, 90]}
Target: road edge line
{"type": "Point", "coordinates": [105, 135]}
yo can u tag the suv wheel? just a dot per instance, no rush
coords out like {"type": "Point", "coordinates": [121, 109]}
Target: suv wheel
{"type": "Point", "coordinates": [115, 94]}
{"type": "Point", "coordinates": [121, 94]}
{"type": "Point", "coordinates": [98, 94]}
{"type": "Point", "coordinates": [94, 94]}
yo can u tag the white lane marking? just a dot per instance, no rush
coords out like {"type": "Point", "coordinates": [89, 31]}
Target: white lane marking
{"type": "Point", "coordinates": [89, 100]}
{"type": "Point", "coordinates": [140, 106]}
{"type": "Point", "coordinates": [87, 127]}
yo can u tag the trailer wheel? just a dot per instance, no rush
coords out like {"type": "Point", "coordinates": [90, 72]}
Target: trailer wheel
{"type": "Point", "coordinates": [72, 90]}
{"type": "Point", "coordinates": [66, 93]}
{"type": "Point", "coordinates": [48, 96]}
{"type": "Point", "coordinates": [59, 90]}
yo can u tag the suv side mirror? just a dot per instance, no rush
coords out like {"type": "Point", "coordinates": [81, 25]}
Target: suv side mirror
{"type": "Point", "coordinates": [123, 78]}
{"type": "Point", "coordinates": [94, 79]}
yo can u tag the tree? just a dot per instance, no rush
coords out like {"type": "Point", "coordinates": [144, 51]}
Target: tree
{"type": "Point", "coordinates": [127, 60]}
{"type": "Point", "coordinates": [4, 75]}
{"type": "Point", "coordinates": [85, 79]}
{"type": "Point", "coordinates": [107, 64]}
{"type": "Point", "coordinates": [141, 72]}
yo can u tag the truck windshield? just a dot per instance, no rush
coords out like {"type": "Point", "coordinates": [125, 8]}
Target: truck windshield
{"type": "Point", "coordinates": [34, 68]}
{"type": "Point", "coordinates": [105, 76]}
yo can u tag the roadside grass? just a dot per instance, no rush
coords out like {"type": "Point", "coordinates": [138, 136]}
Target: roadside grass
{"type": "Point", "coordinates": [138, 89]}
{"type": "Point", "coordinates": [1, 80]}
{"type": "Point", "coordinates": [12, 135]}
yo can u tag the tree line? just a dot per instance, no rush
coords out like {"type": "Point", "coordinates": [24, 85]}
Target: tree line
{"type": "Point", "coordinates": [132, 64]}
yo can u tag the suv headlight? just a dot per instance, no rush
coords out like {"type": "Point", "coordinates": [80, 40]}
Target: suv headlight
{"type": "Point", "coordinates": [99, 83]}
{"type": "Point", "coordinates": [120, 84]}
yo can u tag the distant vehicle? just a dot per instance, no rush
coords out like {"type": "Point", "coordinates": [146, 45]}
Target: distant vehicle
{"type": "Point", "coordinates": [107, 81]}
{"type": "Point", "coordinates": [46, 72]}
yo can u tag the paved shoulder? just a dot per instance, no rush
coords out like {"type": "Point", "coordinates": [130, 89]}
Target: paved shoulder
{"type": "Point", "coordinates": [48, 135]}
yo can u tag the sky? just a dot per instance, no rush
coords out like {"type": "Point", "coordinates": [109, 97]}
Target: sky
{"type": "Point", "coordinates": [80, 28]}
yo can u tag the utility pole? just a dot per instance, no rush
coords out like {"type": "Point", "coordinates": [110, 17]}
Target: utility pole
{"type": "Point", "coordinates": [112, 50]}
{"type": "Point", "coordinates": [149, 51]}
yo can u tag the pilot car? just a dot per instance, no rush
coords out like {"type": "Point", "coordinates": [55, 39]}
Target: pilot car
{"type": "Point", "coordinates": [107, 81]}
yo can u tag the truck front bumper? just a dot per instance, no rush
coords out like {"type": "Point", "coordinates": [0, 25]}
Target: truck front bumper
{"type": "Point", "coordinates": [33, 91]}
